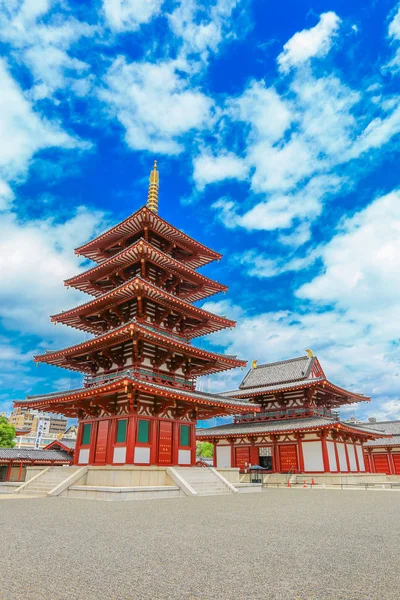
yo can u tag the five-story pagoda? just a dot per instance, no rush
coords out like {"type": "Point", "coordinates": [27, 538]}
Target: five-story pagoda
{"type": "Point", "coordinates": [139, 402]}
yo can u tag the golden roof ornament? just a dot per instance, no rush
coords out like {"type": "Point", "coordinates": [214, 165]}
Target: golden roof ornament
{"type": "Point", "coordinates": [254, 364]}
{"type": "Point", "coordinates": [152, 196]}
{"type": "Point", "coordinates": [310, 353]}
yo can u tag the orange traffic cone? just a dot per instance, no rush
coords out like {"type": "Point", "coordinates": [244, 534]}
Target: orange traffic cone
{"type": "Point", "coordinates": [312, 481]}
{"type": "Point", "coordinates": [304, 484]}
{"type": "Point", "coordinates": [288, 484]}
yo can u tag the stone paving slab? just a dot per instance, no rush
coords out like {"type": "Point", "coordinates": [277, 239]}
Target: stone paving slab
{"type": "Point", "coordinates": [276, 545]}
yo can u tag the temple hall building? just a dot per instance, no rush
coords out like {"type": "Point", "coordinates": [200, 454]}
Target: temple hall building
{"type": "Point", "coordinates": [295, 427]}
{"type": "Point", "coordinates": [138, 403]}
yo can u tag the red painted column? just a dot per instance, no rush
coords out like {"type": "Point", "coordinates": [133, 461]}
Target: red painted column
{"type": "Point", "coordinates": [130, 439]}
{"type": "Point", "coordinates": [78, 442]}
{"type": "Point", "coordinates": [347, 457]}
{"type": "Point", "coordinates": [110, 441]}
{"type": "Point", "coordinates": [215, 453]}
{"type": "Point", "coordinates": [301, 455]}
{"type": "Point", "coordinates": [9, 471]}
{"type": "Point", "coordinates": [175, 443]}
{"type": "Point", "coordinates": [371, 462]}
{"type": "Point", "coordinates": [277, 462]}
{"type": "Point", "coordinates": [233, 455]}
{"type": "Point", "coordinates": [357, 462]}
{"type": "Point", "coordinates": [390, 461]}
{"type": "Point", "coordinates": [254, 459]}
{"type": "Point", "coordinates": [93, 440]}
{"type": "Point", "coordinates": [337, 456]}
{"type": "Point", "coordinates": [325, 456]}
{"type": "Point", "coordinates": [20, 471]}
{"type": "Point", "coordinates": [193, 444]}
{"type": "Point", "coordinates": [154, 441]}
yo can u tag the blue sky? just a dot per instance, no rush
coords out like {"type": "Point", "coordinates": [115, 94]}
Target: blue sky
{"type": "Point", "coordinates": [276, 127]}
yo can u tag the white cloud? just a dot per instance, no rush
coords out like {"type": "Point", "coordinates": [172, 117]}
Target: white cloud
{"type": "Point", "coordinates": [202, 28]}
{"type": "Point", "coordinates": [155, 104]}
{"type": "Point", "coordinates": [22, 131]}
{"type": "Point", "coordinates": [35, 257]}
{"type": "Point", "coordinates": [210, 169]}
{"type": "Point", "coordinates": [394, 26]}
{"type": "Point", "coordinates": [309, 43]}
{"type": "Point", "coordinates": [129, 15]}
{"type": "Point", "coordinates": [44, 47]}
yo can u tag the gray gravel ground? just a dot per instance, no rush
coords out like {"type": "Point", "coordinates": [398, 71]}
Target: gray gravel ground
{"type": "Point", "coordinates": [281, 544]}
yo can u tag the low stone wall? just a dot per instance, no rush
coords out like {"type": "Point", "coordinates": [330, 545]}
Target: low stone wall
{"type": "Point", "coordinates": [126, 476]}
{"type": "Point", "coordinates": [232, 475]}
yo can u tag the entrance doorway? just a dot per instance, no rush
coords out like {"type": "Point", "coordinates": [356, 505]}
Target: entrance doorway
{"type": "Point", "coordinates": [265, 459]}
{"type": "Point", "coordinates": [101, 443]}
{"type": "Point", "coordinates": [165, 443]}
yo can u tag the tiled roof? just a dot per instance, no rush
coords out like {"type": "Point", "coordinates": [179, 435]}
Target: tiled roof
{"type": "Point", "coordinates": [390, 427]}
{"type": "Point", "coordinates": [67, 443]}
{"type": "Point", "coordinates": [270, 388]}
{"type": "Point", "coordinates": [32, 454]}
{"type": "Point", "coordinates": [266, 426]}
{"type": "Point", "coordinates": [294, 369]}
{"type": "Point", "coordinates": [196, 395]}
{"type": "Point", "coordinates": [392, 441]}
{"type": "Point", "coordinates": [250, 428]}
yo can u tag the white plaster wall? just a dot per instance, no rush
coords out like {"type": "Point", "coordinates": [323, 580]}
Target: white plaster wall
{"type": "Point", "coordinates": [224, 457]}
{"type": "Point", "coordinates": [352, 457]}
{"type": "Point", "coordinates": [84, 456]}
{"type": "Point", "coordinates": [360, 456]}
{"type": "Point", "coordinates": [332, 456]}
{"type": "Point", "coordinates": [184, 457]}
{"type": "Point", "coordinates": [142, 455]}
{"type": "Point", "coordinates": [119, 455]}
{"type": "Point", "coordinates": [312, 453]}
{"type": "Point", "coordinates": [342, 457]}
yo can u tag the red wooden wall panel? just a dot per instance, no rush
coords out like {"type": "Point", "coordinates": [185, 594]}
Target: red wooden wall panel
{"type": "Point", "coordinates": [381, 463]}
{"type": "Point", "coordinates": [242, 456]}
{"type": "Point", "coordinates": [396, 462]}
{"type": "Point", "coordinates": [165, 443]}
{"type": "Point", "coordinates": [101, 443]}
{"type": "Point", "coordinates": [288, 457]}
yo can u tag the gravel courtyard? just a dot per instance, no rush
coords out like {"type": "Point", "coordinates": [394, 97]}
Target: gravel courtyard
{"type": "Point", "coordinates": [280, 544]}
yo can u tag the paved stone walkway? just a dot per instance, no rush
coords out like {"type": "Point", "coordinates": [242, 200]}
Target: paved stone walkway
{"type": "Point", "coordinates": [277, 545]}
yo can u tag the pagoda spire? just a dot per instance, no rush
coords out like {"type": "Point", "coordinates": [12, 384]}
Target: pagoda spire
{"type": "Point", "coordinates": [152, 196]}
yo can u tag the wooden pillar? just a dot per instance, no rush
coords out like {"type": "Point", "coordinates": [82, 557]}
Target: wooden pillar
{"type": "Point", "coordinates": [215, 442]}
{"type": "Point", "coordinates": [356, 454]}
{"type": "Point", "coordinates": [93, 441]}
{"type": "Point", "coordinates": [392, 470]}
{"type": "Point", "coordinates": [277, 462]}
{"type": "Point", "coordinates": [254, 459]}
{"type": "Point", "coordinates": [325, 456]}
{"type": "Point", "coordinates": [347, 456]}
{"type": "Point", "coordinates": [371, 462]}
{"type": "Point", "coordinates": [175, 443]}
{"type": "Point", "coordinates": [336, 456]}
{"type": "Point", "coordinates": [233, 455]}
{"type": "Point", "coordinates": [193, 444]}
{"type": "Point", "coordinates": [130, 439]}
{"type": "Point", "coordinates": [110, 441]}
{"type": "Point", "coordinates": [20, 471]}
{"type": "Point", "coordinates": [8, 474]}
{"type": "Point", "coordinates": [154, 429]}
{"type": "Point", "coordinates": [299, 438]}
{"type": "Point", "coordinates": [78, 442]}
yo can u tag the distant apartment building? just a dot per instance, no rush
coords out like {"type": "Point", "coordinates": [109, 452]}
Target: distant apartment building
{"type": "Point", "coordinates": [27, 421]}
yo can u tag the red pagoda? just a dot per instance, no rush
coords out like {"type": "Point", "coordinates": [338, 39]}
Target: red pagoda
{"type": "Point", "coordinates": [297, 429]}
{"type": "Point", "coordinates": [139, 404]}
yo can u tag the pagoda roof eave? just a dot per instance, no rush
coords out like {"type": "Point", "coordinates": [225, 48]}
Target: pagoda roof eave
{"type": "Point", "coordinates": [132, 288]}
{"type": "Point", "coordinates": [241, 430]}
{"type": "Point", "coordinates": [298, 385]}
{"type": "Point", "coordinates": [132, 224]}
{"type": "Point", "coordinates": [135, 251]}
{"type": "Point", "coordinates": [125, 332]}
{"type": "Point", "coordinates": [57, 401]}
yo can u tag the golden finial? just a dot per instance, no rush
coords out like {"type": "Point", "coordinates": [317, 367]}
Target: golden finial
{"type": "Point", "coordinates": [254, 364]}
{"type": "Point", "coordinates": [310, 353]}
{"type": "Point", "coordinates": [152, 196]}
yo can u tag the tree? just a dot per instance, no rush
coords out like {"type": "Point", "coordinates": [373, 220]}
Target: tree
{"type": "Point", "coordinates": [205, 449]}
{"type": "Point", "coordinates": [7, 434]}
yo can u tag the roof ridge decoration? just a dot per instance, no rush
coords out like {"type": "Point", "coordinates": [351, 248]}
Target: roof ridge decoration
{"type": "Point", "coordinates": [152, 197]}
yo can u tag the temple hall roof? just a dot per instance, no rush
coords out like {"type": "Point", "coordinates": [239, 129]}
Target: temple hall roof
{"type": "Point", "coordinates": [32, 454]}
{"type": "Point", "coordinates": [262, 427]}
{"type": "Point", "coordinates": [294, 369]}
{"type": "Point", "coordinates": [390, 427]}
